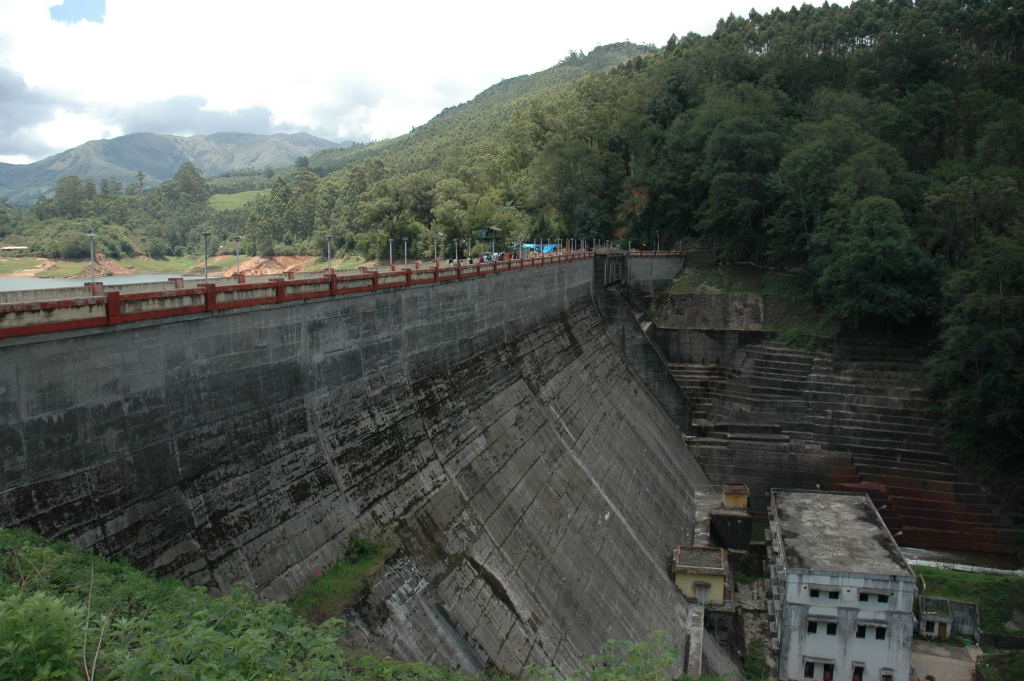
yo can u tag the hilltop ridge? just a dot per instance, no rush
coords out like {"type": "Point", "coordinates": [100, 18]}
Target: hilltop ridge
{"type": "Point", "coordinates": [158, 156]}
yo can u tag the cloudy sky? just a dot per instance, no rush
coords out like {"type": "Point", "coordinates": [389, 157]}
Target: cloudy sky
{"type": "Point", "coordinates": [79, 70]}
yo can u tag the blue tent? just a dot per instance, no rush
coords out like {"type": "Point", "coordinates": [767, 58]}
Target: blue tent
{"type": "Point", "coordinates": [546, 248]}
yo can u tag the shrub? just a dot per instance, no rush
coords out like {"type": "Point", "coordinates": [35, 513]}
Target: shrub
{"type": "Point", "coordinates": [37, 638]}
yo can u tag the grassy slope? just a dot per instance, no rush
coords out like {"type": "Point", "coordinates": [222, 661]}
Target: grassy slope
{"type": "Point", "coordinates": [12, 265]}
{"type": "Point", "coordinates": [997, 596]}
{"type": "Point", "coordinates": [799, 322]}
{"type": "Point", "coordinates": [233, 201]}
{"type": "Point", "coordinates": [333, 592]}
{"type": "Point", "coordinates": [55, 600]}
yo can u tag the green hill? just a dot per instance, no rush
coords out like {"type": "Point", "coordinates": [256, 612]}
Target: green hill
{"type": "Point", "coordinates": [157, 156]}
{"type": "Point", "coordinates": [483, 115]}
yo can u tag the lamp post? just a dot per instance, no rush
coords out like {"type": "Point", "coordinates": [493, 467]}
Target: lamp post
{"type": "Point", "coordinates": [329, 237]}
{"type": "Point", "coordinates": [391, 260]}
{"type": "Point", "coordinates": [238, 255]}
{"type": "Point", "coordinates": [405, 250]}
{"type": "Point", "coordinates": [206, 257]}
{"type": "Point", "coordinates": [456, 241]}
{"type": "Point", "coordinates": [92, 258]}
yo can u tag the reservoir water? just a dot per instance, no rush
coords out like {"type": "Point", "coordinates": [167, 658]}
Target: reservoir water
{"type": "Point", "coordinates": [35, 283]}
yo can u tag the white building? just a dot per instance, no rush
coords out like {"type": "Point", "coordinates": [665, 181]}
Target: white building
{"type": "Point", "coordinates": [842, 596]}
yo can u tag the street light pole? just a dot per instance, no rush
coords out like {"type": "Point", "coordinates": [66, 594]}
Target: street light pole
{"type": "Point", "coordinates": [238, 255]}
{"type": "Point", "coordinates": [329, 237]}
{"type": "Point", "coordinates": [405, 253]}
{"type": "Point", "coordinates": [391, 260]}
{"type": "Point", "coordinates": [206, 257]}
{"type": "Point", "coordinates": [92, 257]}
{"type": "Point", "coordinates": [456, 250]}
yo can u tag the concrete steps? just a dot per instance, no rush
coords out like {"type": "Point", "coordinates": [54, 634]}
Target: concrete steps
{"type": "Point", "coordinates": [855, 420]}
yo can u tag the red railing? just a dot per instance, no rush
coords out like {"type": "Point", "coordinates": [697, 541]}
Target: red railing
{"type": "Point", "coordinates": [108, 307]}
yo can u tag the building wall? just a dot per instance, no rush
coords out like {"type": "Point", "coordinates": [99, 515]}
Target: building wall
{"type": "Point", "coordinates": [737, 500]}
{"type": "Point", "coordinates": [687, 584]}
{"type": "Point", "coordinates": [844, 649]}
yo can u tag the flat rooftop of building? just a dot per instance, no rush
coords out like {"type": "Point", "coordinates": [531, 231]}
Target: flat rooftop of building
{"type": "Point", "coordinates": [702, 560]}
{"type": "Point", "coordinates": [835, 532]}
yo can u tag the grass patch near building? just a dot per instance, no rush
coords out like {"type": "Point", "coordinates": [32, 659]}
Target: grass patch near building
{"type": "Point", "coordinates": [997, 596]}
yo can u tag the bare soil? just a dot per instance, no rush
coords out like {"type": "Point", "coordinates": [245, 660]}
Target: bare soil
{"type": "Point", "coordinates": [260, 264]}
{"type": "Point", "coordinates": [105, 267]}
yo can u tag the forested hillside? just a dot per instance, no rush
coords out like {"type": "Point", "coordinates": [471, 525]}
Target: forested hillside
{"type": "Point", "coordinates": [156, 157]}
{"type": "Point", "coordinates": [877, 149]}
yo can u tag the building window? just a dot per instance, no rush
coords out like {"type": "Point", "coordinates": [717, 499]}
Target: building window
{"type": "Point", "coordinates": [929, 626]}
{"type": "Point", "coordinates": [814, 593]}
{"type": "Point", "coordinates": [880, 633]}
{"type": "Point", "coordinates": [829, 669]}
{"type": "Point", "coordinates": [812, 627]}
{"type": "Point", "coordinates": [830, 628]}
{"type": "Point", "coordinates": [886, 675]}
{"type": "Point", "coordinates": [862, 631]}
{"type": "Point", "coordinates": [809, 670]}
{"type": "Point", "coordinates": [864, 596]}
{"type": "Point", "coordinates": [858, 672]}
{"type": "Point", "coordinates": [882, 598]}
{"type": "Point", "coordinates": [834, 595]}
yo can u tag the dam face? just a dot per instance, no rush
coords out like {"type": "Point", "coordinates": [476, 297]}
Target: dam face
{"type": "Point", "coordinates": [490, 426]}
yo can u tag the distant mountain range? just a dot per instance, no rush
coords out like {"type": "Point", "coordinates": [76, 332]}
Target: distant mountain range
{"type": "Point", "coordinates": [158, 156]}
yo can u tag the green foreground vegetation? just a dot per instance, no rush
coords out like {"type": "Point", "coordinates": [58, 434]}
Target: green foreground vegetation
{"type": "Point", "coordinates": [1003, 665]}
{"type": "Point", "coordinates": [67, 615]}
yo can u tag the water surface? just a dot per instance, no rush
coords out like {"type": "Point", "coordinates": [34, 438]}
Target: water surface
{"type": "Point", "coordinates": [37, 283]}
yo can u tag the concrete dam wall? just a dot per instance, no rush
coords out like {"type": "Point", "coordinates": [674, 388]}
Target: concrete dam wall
{"type": "Point", "coordinates": [489, 426]}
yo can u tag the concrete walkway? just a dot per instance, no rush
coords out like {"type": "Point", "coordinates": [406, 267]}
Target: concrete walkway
{"type": "Point", "coordinates": [938, 662]}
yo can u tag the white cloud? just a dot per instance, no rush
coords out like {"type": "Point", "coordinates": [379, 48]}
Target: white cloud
{"type": "Point", "coordinates": [68, 129]}
{"type": "Point", "coordinates": [341, 69]}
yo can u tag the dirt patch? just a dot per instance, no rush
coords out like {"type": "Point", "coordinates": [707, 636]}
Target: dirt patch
{"type": "Point", "coordinates": [268, 265]}
{"type": "Point", "coordinates": [105, 267]}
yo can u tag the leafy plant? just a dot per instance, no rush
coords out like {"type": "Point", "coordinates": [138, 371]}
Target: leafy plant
{"type": "Point", "coordinates": [37, 638]}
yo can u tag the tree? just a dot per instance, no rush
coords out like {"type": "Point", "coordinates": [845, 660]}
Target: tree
{"type": "Point", "coordinates": [69, 197]}
{"type": "Point", "coordinates": [872, 272]}
{"type": "Point", "coordinates": [979, 368]}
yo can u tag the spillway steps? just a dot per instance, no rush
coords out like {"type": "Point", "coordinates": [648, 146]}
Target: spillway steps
{"type": "Point", "coordinates": [855, 420]}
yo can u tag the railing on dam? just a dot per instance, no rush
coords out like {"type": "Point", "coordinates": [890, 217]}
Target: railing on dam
{"type": "Point", "coordinates": [122, 304]}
